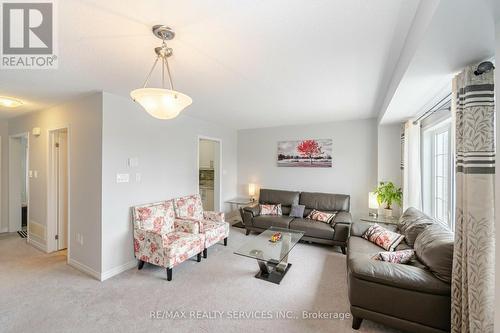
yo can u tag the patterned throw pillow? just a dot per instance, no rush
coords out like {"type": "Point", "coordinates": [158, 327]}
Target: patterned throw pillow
{"type": "Point", "coordinates": [383, 237]}
{"type": "Point", "coordinates": [316, 215]}
{"type": "Point", "coordinates": [270, 209]}
{"type": "Point", "coordinates": [396, 257]}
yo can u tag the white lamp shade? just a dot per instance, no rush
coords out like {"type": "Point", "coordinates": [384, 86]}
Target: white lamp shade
{"type": "Point", "coordinates": [251, 189]}
{"type": "Point", "coordinates": [161, 103]}
{"type": "Point", "coordinates": [372, 201]}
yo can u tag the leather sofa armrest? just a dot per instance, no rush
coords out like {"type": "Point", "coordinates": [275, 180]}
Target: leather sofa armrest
{"type": "Point", "coordinates": [342, 217]}
{"type": "Point", "coordinates": [254, 210]}
{"type": "Point", "coordinates": [342, 231]}
{"type": "Point", "coordinates": [248, 213]}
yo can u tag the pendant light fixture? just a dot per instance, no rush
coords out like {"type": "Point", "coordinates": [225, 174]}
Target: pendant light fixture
{"type": "Point", "coordinates": [161, 103]}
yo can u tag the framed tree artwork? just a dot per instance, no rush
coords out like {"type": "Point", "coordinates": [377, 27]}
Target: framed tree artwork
{"type": "Point", "coordinates": [309, 153]}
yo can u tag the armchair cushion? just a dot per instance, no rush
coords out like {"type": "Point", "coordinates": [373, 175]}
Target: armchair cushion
{"type": "Point", "coordinates": [189, 207]}
{"type": "Point", "coordinates": [158, 217]}
{"type": "Point", "coordinates": [213, 216]}
{"type": "Point", "coordinates": [180, 246]}
{"type": "Point", "coordinates": [166, 250]}
{"type": "Point", "coordinates": [190, 226]}
{"type": "Point", "coordinates": [214, 231]}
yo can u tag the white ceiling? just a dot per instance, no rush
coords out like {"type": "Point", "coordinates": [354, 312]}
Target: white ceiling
{"type": "Point", "coordinates": [461, 32]}
{"type": "Point", "coordinates": [246, 64]}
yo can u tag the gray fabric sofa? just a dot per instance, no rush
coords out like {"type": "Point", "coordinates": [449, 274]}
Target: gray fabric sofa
{"type": "Point", "coordinates": [412, 297]}
{"type": "Point", "coordinates": [335, 233]}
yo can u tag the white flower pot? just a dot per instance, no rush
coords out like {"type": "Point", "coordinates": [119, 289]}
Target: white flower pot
{"type": "Point", "coordinates": [388, 212]}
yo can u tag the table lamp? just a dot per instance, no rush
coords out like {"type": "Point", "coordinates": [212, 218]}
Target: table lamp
{"type": "Point", "coordinates": [373, 204]}
{"type": "Point", "coordinates": [251, 191]}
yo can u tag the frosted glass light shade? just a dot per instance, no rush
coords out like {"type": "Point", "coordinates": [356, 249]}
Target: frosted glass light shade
{"type": "Point", "coordinates": [372, 200]}
{"type": "Point", "coordinates": [161, 103]}
{"type": "Point", "coordinates": [10, 102]}
{"type": "Point", "coordinates": [251, 189]}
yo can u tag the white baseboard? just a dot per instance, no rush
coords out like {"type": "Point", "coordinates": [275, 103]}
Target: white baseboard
{"type": "Point", "coordinates": [84, 268]}
{"type": "Point", "coordinates": [4, 230]}
{"type": "Point", "coordinates": [119, 269]}
{"type": "Point", "coordinates": [38, 244]}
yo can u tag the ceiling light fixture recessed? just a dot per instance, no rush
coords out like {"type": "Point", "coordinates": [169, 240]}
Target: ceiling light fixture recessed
{"type": "Point", "coordinates": [10, 102]}
{"type": "Point", "coordinates": [161, 103]}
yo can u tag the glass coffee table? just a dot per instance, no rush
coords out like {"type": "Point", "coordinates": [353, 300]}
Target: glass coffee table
{"type": "Point", "coordinates": [271, 257]}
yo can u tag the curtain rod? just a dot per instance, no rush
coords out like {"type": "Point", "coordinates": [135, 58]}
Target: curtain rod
{"type": "Point", "coordinates": [432, 110]}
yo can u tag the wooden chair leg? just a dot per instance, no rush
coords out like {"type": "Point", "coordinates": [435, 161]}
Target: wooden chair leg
{"type": "Point", "coordinates": [356, 323]}
{"type": "Point", "coordinates": [205, 253]}
{"type": "Point", "coordinates": [198, 257]}
{"type": "Point", "coordinates": [169, 274]}
{"type": "Point", "coordinates": [248, 232]}
{"type": "Point", "coordinates": [140, 264]}
{"type": "Point", "coordinates": [225, 241]}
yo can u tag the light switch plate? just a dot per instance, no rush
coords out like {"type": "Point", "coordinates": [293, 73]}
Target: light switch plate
{"type": "Point", "coordinates": [133, 162]}
{"type": "Point", "coordinates": [35, 173]}
{"type": "Point", "coordinates": [122, 177]}
{"type": "Point", "coordinates": [30, 173]}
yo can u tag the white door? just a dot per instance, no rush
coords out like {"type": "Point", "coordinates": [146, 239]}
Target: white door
{"type": "Point", "coordinates": [61, 145]}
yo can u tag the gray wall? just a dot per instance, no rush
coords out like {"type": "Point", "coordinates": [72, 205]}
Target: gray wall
{"type": "Point", "coordinates": [354, 168]}
{"type": "Point", "coordinates": [167, 155]}
{"type": "Point", "coordinates": [84, 117]}
{"type": "Point", "coordinates": [389, 156]}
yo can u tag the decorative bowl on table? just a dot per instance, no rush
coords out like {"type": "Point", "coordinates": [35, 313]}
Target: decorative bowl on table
{"type": "Point", "coordinates": [276, 237]}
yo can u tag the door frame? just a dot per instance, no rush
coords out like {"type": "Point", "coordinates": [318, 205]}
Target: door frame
{"type": "Point", "coordinates": [218, 140]}
{"type": "Point", "coordinates": [11, 138]}
{"type": "Point", "coordinates": [51, 197]}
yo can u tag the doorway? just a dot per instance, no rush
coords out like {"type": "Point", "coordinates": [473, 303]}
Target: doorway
{"type": "Point", "coordinates": [209, 166]}
{"type": "Point", "coordinates": [18, 184]}
{"type": "Point", "coordinates": [58, 190]}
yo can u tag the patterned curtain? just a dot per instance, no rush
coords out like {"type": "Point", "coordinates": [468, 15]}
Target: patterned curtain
{"type": "Point", "coordinates": [472, 284]}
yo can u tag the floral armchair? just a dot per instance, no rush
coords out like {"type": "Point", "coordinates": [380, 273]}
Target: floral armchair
{"type": "Point", "coordinates": [161, 239]}
{"type": "Point", "coordinates": [211, 224]}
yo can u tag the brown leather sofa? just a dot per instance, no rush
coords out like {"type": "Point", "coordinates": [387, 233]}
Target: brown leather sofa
{"type": "Point", "coordinates": [413, 297]}
{"type": "Point", "coordinates": [335, 233]}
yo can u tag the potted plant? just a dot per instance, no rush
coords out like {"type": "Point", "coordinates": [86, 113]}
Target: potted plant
{"type": "Point", "coordinates": [387, 193]}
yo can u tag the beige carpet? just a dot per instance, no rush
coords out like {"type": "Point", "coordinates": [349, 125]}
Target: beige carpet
{"type": "Point", "coordinates": [41, 293]}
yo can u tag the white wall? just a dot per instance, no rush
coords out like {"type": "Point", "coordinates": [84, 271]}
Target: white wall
{"type": "Point", "coordinates": [354, 170]}
{"type": "Point", "coordinates": [83, 115]}
{"type": "Point", "coordinates": [389, 153]}
{"type": "Point", "coordinates": [167, 155]}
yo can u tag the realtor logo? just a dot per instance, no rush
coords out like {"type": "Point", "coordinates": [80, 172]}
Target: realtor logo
{"type": "Point", "coordinates": [28, 39]}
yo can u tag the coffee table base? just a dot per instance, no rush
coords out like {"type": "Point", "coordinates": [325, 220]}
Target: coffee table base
{"type": "Point", "coordinates": [269, 274]}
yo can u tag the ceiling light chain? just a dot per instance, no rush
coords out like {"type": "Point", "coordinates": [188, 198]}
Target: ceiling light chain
{"type": "Point", "coordinates": [150, 72]}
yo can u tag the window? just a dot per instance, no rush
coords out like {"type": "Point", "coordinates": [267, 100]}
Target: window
{"type": "Point", "coordinates": [437, 172]}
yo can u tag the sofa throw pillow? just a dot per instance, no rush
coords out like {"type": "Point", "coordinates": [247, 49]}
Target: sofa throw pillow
{"type": "Point", "coordinates": [270, 209]}
{"type": "Point", "coordinates": [382, 237]}
{"type": "Point", "coordinates": [396, 257]}
{"type": "Point", "coordinates": [297, 211]}
{"type": "Point", "coordinates": [325, 217]}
